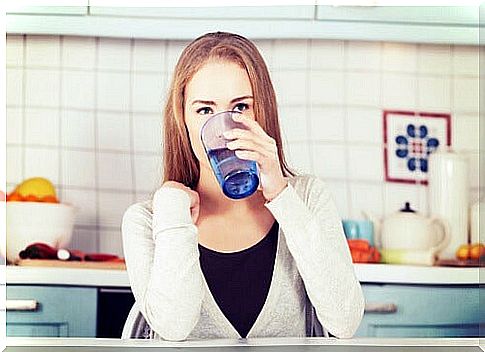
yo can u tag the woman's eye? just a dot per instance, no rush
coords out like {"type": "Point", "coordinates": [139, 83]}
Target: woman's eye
{"type": "Point", "coordinates": [241, 107]}
{"type": "Point", "coordinates": [204, 111]}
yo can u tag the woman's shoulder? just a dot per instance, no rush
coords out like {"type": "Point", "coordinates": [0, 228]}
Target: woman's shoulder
{"type": "Point", "coordinates": [139, 213]}
{"type": "Point", "coordinates": [307, 184]}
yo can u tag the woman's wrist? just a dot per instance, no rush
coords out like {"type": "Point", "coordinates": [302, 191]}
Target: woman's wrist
{"type": "Point", "coordinates": [284, 183]}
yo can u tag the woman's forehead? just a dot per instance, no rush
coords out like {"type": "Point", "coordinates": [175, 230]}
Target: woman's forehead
{"type": "Point", "coordinates": [221, 81]}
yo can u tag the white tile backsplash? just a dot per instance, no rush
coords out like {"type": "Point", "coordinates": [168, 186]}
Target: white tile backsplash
{"type": "Point", "coordinates": [434, 59]}
{"type": "Point", "coordinates": [399, 91]}
{"type": "Point", "coordinates": [42, 126]}
{"type": "Point", "coordinates": [149, 55]}
{"type": "Point", "coordinates": [147, 133]}
{"type": "Point", "coordinates": [365, 125]}
{"type": "Point", "coordinates": [363, 89]}
{"type": "Point", "coordinates": [399, 57]}
{"type": "Point", "coordinates": [326, 55]}
{"type": "Point", "coordinates": [15, 50]}
{"type": "Point", "coordinates": [114, 54]}
{"type": "Point", "coordinates": [114, 171]}
{"type": "Point", "coordinates": [113, 91]}
{"type": "Point", "coordinates": [42, 162]}
{"type": "Point", "coordinates": [148, 172]}
{"type": "Point", "coordinates": [290, 87]}
{"type": "Point", "coordinates": [42, 88]}
{"type": "Point", "coordinates": [364, 56]}
{"type": "Point", "coordinates": [465, 94]}
{"type": "Point", "coordinates": [466, 60]}
{"type": "Point", "coordinates": [112, 206]}
{"type": "Point", "coordinates": [73, 174]}
{"type": "Point", "coordinates": [366, 163]}
{"type": "Point", "coordinates": [85, 240]}
{"type": "Point", "coordinates": [14, 164]}
{"type": "Point", "coordinates": [329, 161]}
{"type": "Point", "coordinates": [290, 54]}
{"type": "Point", "coordinates": [434, 93]}
{"type": "Point", "coordinates": [85, 203]}
{"type": "Point", "coordinates": [326, 88]}
{"type": "Point", "coordinates": [14, 125]}
{"type": "Point", "coordinates": [42, 51]}
{"type": "Point", "coordinates": [79, 52]}
{"type": "Point", "coordinates": [366, 197]}
{"type": "Point", "coordinates": [78, 89]}
{"type": "Point", "coordinates": [148, 92]}
{"type": "Point", "coordinates": [14, 78]}
{"type": "Point", "coordinates": [293, 123]}
{"type": "Point", "coordinates": [96, 131]}
{"type": "Point", "coordinates": [327, 123]}
{"type": "Point", "coordinates": [77, 129]}
{"type": "Point", "coordinates": [111, 242]}
{"type": "Point", "coordinates": [113, 131]}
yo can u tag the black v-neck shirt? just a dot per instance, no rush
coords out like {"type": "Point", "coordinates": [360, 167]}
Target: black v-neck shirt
{"type": "Point", "coordinates": [240, 281]}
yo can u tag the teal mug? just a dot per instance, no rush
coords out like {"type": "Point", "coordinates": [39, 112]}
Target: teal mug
{"type": "Point", "coordinates": [359, 229]}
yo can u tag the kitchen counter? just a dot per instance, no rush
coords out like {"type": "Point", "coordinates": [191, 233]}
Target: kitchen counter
{"type": "Point", "coordinates": [375, 273]}
{"type": "Point", "coordinates": [267, 344]}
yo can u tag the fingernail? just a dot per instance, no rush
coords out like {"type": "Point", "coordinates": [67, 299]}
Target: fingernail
{"type": "Point", "coordinates": [227, 134]}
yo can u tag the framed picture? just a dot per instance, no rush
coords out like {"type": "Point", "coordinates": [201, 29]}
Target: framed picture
{"type": "Point", "coordinates": [409, 139]}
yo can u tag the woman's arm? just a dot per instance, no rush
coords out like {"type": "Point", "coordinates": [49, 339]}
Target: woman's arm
{"type": "Point", "coordinates": [315, 238]}
{"type": "Point", "coordinates": [162, 261]}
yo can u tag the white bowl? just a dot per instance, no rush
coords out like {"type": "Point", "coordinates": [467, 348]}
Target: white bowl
{"type": "Point", "coordinates": [29, 222]}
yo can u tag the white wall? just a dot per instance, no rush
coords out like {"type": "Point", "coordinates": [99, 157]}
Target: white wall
{"type": "Point", "coordinates": [86, 113]}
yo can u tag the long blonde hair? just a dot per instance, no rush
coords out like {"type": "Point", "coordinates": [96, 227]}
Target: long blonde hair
{"type": "Point", "coordinates": [179, 161]}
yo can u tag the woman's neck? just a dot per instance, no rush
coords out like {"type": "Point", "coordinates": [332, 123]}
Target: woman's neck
{"type": "Point", "coordinates": [213, 200]}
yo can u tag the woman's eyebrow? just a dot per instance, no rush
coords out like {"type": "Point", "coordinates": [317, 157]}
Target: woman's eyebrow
{"type": "Point", "coordinates": [209, 102]}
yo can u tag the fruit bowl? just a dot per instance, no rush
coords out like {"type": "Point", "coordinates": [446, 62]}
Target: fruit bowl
{"type": "Point", "coordinates": [29, 222]}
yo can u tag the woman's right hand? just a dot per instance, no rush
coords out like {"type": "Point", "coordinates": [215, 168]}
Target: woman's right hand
{"type": "Point", "coordinates": [194, 198]}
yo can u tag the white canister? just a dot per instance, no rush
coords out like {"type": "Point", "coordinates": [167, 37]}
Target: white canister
{"type": "Point", "coordinates": [449, 196]}
{"type": "Point", "coordinates": [477, 212]}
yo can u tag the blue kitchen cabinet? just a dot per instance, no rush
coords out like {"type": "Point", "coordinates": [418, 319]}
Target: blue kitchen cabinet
{"type": "Point", "coordinates": [422, 311]}
{"type": "Point", "coordinates": [59, 311]}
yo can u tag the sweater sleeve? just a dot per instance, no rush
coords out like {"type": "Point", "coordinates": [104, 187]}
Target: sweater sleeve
{"type": "Point", "coordinates": [315, 238]}
{"type": "Point", "coordinates": [162, 260]}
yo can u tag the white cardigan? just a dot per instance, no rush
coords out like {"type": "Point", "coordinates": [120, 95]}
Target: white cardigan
{"type": "Point", "coordinates": [161, 252]}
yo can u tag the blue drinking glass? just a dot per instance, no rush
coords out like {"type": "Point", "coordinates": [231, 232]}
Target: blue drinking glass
{"type": "Point", "coordinates": [238, 178]}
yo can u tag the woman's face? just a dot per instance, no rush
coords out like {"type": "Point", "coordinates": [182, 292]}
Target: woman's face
{"type": "Point", "coordinates": [217, 86]}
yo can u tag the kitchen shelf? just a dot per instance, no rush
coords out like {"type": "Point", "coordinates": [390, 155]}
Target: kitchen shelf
{"type": "Point", "coordinates": [366, 273]}
{"type": "Point", "coordinates": [439, 25]}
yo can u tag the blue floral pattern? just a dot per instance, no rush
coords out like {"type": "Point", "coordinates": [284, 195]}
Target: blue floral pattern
{"type": "Point", "coordinates": [415, 147]}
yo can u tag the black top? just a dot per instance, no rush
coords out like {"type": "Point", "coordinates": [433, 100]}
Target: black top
{"type": "Point", "coordinates": [240, 281]}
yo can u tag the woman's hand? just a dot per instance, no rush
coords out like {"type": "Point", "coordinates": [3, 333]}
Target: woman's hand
{"type": "Point", "coordinates": [194, 198]}
{"type": "Point", "coordinates": [254, 144]}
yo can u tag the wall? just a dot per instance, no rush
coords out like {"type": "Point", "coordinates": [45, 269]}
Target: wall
{"type": "Point", "coordinates": [86, 113]}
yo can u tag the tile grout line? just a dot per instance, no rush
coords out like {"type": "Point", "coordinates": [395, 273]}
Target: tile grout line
{"type": "Point", "coordinates": [61, 94]}
{"type": "Point", "coordinates": [24, 101]}
{"type": "Point", "coordinates": [131, 122]}
{"type": "Point", "coordinates": [346, 130]}
{"type": "Point", "coordinates": [383, 146]}
{"type": "Point", "coordinates": [96, 142]}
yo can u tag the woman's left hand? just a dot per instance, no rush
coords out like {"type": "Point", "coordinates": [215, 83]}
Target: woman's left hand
{"type": "Point", "coordinates": [254, 144]}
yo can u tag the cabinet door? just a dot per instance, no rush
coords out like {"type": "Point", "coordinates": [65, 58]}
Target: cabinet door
{"type": "Point", "coordinates": [56, 311]}
{"type": "Point", "coordinates": [448, 15]}
{"type": "Point", "coordinates": [422, 311]}
{"type": "Point", "coordinates": [219, 12]}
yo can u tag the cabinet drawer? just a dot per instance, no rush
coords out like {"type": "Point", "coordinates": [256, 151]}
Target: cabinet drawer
{"type": "Point", "coordinates": [51, 311]}
{"type": "Point", "coordinates": [421, 311]}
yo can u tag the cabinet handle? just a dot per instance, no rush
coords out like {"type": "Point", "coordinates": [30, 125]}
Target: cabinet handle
{"type": "Point", "coordinates": [382, 308]}
{"type": "Point", "coordinates": [22, 304]}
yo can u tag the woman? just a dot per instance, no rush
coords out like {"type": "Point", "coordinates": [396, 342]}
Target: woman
{"type": "Point", "coordinates": [202, 265]}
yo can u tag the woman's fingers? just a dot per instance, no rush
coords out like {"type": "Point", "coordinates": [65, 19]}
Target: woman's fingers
{"type": "Point", "coordinates": [252, 125]}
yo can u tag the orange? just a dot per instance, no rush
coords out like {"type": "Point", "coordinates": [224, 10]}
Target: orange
{"type": "Point", "coordinates": [463, 252]}
{"type": "Point", "coordinates": [477, 250]}
{"type": "Point", "coordinates": [15, 197]}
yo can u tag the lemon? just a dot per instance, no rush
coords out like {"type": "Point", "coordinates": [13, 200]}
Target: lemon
{"type": "Point", "coordinates": [37, 186]}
